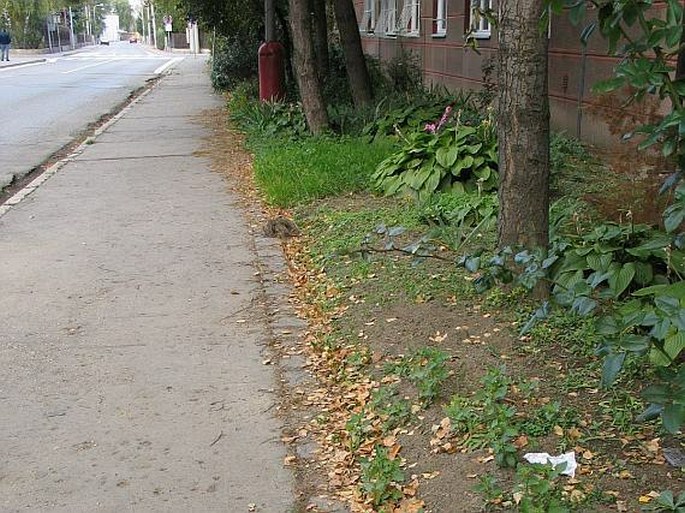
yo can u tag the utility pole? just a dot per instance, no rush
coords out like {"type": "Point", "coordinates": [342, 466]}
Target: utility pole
{"type": "Point", "coordinates": [86, 11]}
{"type": "Point", "coordinates": [71, 29]}
{"type": "Point", "coordinates": [48, 25]}
{"type": "Point", "coordinates": [144, 23]}
{"type": "Point", "coordinates": [154, 24]}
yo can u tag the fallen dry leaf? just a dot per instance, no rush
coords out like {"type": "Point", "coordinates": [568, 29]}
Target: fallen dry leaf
{"type": "Point", "coordinates": [410, 506]}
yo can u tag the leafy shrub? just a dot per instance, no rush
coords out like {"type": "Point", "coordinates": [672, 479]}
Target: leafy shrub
{"type": "Point", "coordinates": [265, 119]}
{"type": "Point", "coordinates": [402, 113]}
{"type": "Point", "coordinates": [459, 158]}
{"type": "Point", "coordinates": [234, 60]}
{"type": "Point", "coordinates": [290, 172]}
{"type": "Point", "coordinates": [634, 275]}
{"type": "Point", "coordinates": [459, 209]}
{"type": "Point", "coordinates": [403, 73]}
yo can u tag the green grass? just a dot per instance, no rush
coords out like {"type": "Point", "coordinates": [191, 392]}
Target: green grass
{"type": "Point", "coordinates": [295, 172]}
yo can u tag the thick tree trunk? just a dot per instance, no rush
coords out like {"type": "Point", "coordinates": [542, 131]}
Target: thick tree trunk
{"type": "Point", "coordinates": [320, 25]}
{"type": "Point", "coordinates": [357, 72]}
{"type": "Point", "coordinates": [305, 68]}
{"type": "Point", "coordinates": [523, 125]}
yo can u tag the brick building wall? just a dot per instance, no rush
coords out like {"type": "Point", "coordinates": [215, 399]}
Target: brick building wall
{"type": "Point", "coordinates": [445, 60]}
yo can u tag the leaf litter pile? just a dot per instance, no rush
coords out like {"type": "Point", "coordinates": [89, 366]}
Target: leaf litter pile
{"type": "Point", "coordinates": [421, 397]}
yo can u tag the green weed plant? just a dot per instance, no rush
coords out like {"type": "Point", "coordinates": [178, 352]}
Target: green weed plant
{"type": "Point", "coordinates": [381, 476]}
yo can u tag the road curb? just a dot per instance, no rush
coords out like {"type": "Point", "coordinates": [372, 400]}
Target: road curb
{"type": "Point", "coordinates": [22, 63]}
{"type": "Point", "coordinates": [50, 171]}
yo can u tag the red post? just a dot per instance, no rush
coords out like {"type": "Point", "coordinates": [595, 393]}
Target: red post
{"type": "Point", "coordinates": [271, 71]}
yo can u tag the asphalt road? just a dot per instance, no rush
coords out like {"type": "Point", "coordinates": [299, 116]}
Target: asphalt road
{"type": "Point", "coordinates": [45, 105]}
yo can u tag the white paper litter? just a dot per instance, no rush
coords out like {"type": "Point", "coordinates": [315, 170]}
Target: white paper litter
{"type": "Point", "coordinates": [543, 458]}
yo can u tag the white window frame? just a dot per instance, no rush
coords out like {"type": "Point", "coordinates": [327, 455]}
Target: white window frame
{"type": "Point", "coordinates": [368, 22]}
{"type": "Point", "coordinates": [388, 18]}
{"type": "Point", "coordinates": [480, 25]}
{"type": "Point", "coordinates": [440, 27]}
{"type": "Point", "coordinates": [410, 19]}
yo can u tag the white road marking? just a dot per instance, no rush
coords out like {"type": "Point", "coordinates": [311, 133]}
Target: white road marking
{"type": "Point", "coordinates": [88, 66]}
{"type": "Point", "coordinates": [166, 65]}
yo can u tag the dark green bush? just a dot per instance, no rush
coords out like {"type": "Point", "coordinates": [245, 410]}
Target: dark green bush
{"type": "Point", "coordinates": [234, 60]}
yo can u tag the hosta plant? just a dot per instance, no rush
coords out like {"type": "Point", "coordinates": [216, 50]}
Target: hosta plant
{"type": "Point", "coordinates": [444, 157]}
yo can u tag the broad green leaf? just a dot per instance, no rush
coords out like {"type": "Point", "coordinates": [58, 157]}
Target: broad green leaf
{"type": "Point", "coordinates": [673, 417]}
{"type": "Point", "coordinates": [606, 86]}
{"type": "Point", "coordinates": [446, 157]}
{"type": "Point", "coordinates": [583, 305]}
{"type": "Point", "coordinates": [669, 305]}
{"type": "Point", "coordinates": [619, 282]}
{"type": "Point", "coordinates": [634, 343]}
{"type": "Point", "coordinates": [674, 344]}
{"type": "Point", "coordinates": [658, 358]}
{"type": "Point", "coordinates": [472, 264]}
{"type": "Point", "coordinates": [643, 273]}
{"type": "Point", "coordinates": [607, 326]}
{"type": "Point", "coordinates": [613, 363]}
{"type": "Point", "coordinates": [661, 329]}
{"type": "Point", "coordinates": [594, 261]}
{"type": "Point", "coordinates": [674, 217]}
{"type": "Point", "coordinates": [677, 262]}
{"type": "Point", "coordinates": [648, 291]}
{"type": "Point", "coordinates": [432, 183]}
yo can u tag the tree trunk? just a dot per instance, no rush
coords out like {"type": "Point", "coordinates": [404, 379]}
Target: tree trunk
{"type": "Point", "coordinates": [523, 125]}
{"type": "Point", "coordinates": [357, 72]}
{"type": "Point", "coordinates": [320, 24]}
{"type": "Point", "coordinates": [305, 69]}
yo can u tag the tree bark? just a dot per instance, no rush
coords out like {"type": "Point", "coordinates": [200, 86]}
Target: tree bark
{"type": "Point", "coordinates": [305, 69]}
{"type": "Point", "coordinates": [320, 24]}
{"type": "Point", "coordinates": [523, 125]}
{"type": "Point", "coordinates": [357, 72]}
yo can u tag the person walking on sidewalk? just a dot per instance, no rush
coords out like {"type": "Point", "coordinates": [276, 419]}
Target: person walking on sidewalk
{"type": "Point", "coordinates": [5, 40]}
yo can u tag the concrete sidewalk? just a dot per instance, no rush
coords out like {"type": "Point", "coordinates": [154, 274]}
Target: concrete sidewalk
{"type": "Point", "coordinates": [132, 333]}
{"type": "Point", "coordinates": [20, 61]}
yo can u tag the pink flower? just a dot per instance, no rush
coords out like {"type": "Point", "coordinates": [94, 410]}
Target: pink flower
{"type": "Point", "coordinates": [444, 117]}
{"type": "Point", "coordinates": [430, 127]}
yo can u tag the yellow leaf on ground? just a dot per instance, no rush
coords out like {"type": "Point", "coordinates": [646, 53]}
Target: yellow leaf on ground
{"type": "Point", "coordinates": [410, 506]}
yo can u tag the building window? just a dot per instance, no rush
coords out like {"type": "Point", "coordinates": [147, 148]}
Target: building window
{"type": "Point", "coordinates": [388, 17]}
{"type": "Point", "coordinates": [410, 19]}
{"type": "Point", "coordinates": [439, 17]}
{"type": "Point", "coordinates": [480, 22]}
{"type": "Point", "coordinates": [368, 23]}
